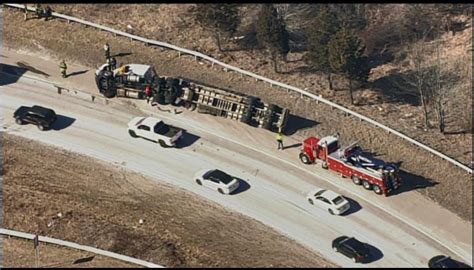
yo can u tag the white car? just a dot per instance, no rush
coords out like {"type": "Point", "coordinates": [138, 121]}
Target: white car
{"type": "Point", "coordinates": [154, 129]}
{"type": "Point", "coordinates": [218, 180]}
{"type": "Point", "coordinates": [327, 199]}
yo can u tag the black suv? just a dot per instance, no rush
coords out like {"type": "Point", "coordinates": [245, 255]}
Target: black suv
{"type": "Point", "coordinates": [352, 248]}
{"type": "Point", "coordinates": [40, 116]}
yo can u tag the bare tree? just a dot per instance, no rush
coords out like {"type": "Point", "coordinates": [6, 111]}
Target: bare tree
{"type": "Point", "coordinates": [439, 93]}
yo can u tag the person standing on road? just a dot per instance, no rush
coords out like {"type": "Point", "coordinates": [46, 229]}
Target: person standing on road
{"type": "Point", "coordinates": [148, 93]}
{"type": "Point", "coordinates": [107, 51]}
{"type": "Point", "coordinates": [279, 139]}
{"type": "Point", "coordinates": [63, 68]}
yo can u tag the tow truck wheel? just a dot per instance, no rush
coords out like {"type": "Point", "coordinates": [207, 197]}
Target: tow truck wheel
{"type": "Point", "coordinates": [377, 189]}
{"type": "Point", "coordinates": [355, 180]}
{"type": "Point", "coordinates": [324, 165]}
{"type": "Point", "coordinates": [366, 185]}
{"type": "Point", "coordinates": [304, 158]}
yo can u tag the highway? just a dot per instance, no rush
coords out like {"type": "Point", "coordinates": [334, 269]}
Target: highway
{"type": "Point", "coordinates": [274, 192]}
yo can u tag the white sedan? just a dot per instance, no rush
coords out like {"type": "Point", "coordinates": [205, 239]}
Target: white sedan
{"type": "Point", "coordinates": [218, 180]}
{"type": "Point", "coordinates": [334, 203]}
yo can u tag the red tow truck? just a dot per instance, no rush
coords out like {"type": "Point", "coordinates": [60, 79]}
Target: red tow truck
{"type": "Point", "coordinates": [351, 162]}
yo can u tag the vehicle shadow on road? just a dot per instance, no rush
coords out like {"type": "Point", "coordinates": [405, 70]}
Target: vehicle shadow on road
{"type": "Point", "coordinates": [292, 146]}
{"type": "Point", "coordinates": [187, 140]}
{"type": "Point", "coordinates": [62, 122]}
{"type": "Point", "coordinates": [296, 123]}
{"type": "Point", "coordinates": [77, 73]}
{"type": "Point", "coordinates": [411, 182]}
{"type": "Point", "coordinates": [16, 73]}
{"type": "Point", "coordinates": [375, 254]}
{"type": "Point", "coordinates": [243, 186]}
{"type": "Point", "coordinates": [355, 206]}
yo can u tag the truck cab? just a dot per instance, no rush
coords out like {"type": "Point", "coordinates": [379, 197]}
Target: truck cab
{"type": "Point", "coordinates": [316, 148]}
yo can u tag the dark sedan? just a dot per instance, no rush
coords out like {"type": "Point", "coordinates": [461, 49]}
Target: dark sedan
{"type": "Point", "coordinates": [351, 248]}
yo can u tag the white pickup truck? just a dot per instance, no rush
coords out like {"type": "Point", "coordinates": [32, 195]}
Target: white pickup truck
{"type": "Point", "coordinates": [154, 129]}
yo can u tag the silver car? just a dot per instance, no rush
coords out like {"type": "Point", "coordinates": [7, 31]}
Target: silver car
{"type": "Point", "coordinates": [334, 203]}
{"type": "Point", "coordinates": [217, 180]}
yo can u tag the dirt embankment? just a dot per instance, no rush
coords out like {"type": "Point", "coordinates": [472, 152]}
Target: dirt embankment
{"type": "Point", "coordinates": [101, 206]}
{"type": "Point", "coordinates": [19, 253]}
{"type": "Point", "coordinates": [435, 178]}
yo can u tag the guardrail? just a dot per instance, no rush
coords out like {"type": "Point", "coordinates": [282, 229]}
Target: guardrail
{"type": "Point", "coordinates": [80, 247]}
{"type": "Point", "coordinates": [257, 77]}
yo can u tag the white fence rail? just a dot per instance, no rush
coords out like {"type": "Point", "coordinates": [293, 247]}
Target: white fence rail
{"type": "Point", "coordinates": [257, 77]}
{"type": "Point", "coordinates": [79, 247]}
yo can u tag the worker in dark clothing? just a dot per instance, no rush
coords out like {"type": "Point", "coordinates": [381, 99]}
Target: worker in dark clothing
{"type": "Point", "coordinates": [47, 13]}
{"type": "Point", "coordinates": [279, 139]}
{"type": "Point", "coordinates": [63, 68]}
{"type": "Point", "coordinates": [148, 93]}
{"type": "Point", "coordinates": [107, 50]}
{"type": "Point", "coordinates": [112, 63]}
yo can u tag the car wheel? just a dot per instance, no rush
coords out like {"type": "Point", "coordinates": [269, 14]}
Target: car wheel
{"type": "Point", "coordinates": [366, 185]}
{"type": "Point", "coordinates": [41, 127]}
{"type": "Point", "coordinates": [19, 121]}
{"type": "Point", "coordinates": [354, 259]}
{"type": "Point", "coordinates": [324, 165]}
{"type": "Point", "coordinates": [310, 201]}
{"type": "Point", "coordinates": [132, 133]}
{"type": "Point", "coordinates": [377, 189]}
{"type": "Point", "coordinates": [335, 249]}
{"type": "Point", "coordinates": [330, 211]}
{"type": "Point", "coordinates": [355, 180]}
{"type": "Point", "coordinates": [198, 182]}
{"type": "Point", "coordinates": [220, 191]}
{"type": "Point", "coordinates": [162, 143]}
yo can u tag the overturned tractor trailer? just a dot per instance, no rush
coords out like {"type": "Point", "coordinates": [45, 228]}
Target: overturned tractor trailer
{"type": "Point", "coordinates": [192, 95]}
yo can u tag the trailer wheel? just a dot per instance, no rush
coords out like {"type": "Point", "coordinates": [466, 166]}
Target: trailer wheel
{"type": "Point", "coordinates": [304, 158]}
{"type": "Point", "coordinates": [366, 185]}
{"type": "Point", "coordinates": [355, 180]}
{"type": "Point", "coordinates": [377, 189]}
{"type": "Point", "coordinates": [324, 165]}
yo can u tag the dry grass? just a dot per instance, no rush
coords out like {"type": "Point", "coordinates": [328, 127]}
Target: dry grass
{"type": "Point", "coordinates": [101, 206]}
{"type": "Point", "coordinates": [455, 185]}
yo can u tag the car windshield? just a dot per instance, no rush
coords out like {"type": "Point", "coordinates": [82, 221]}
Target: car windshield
{"type": "Point", "coordinates": [161, 128]}
{"type": "Point", "coordinates": [356, 245]}
{"type": "Point", "coordinates": [221, 176]}
{"type": "Point", "coordinates": [319, 192]}
{"type": "Point", "coordinates": [447, 262]}
{"type": "Point", "coordinates": [338, 200]}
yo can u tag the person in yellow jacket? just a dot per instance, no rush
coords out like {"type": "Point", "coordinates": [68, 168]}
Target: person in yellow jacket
{"type": "Point", "coordinates": [279, 139]}
{"type": "Point", "coordinates": [63, 68]}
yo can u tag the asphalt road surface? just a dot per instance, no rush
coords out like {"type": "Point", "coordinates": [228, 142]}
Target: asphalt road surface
{"type": "Point", "coordinates": [273, 191]}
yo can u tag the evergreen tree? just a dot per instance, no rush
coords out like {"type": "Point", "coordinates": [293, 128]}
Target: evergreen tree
{"type": "Point", "coordinates": [272, 33]}
{"type": "Point", "coordinates": [218, 19]}
{"type": "Point", "coordinates": [346, 56]}
{"type": "Point", "coordinates": [318, 35]}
